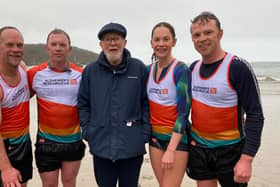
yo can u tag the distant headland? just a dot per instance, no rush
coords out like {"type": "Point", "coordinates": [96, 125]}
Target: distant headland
{"type": "Point", "coordinates": [36, 53]}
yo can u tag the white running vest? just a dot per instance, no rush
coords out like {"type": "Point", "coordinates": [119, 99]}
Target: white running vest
{"type": "Point", "coordinates": [162, 97]}
{"type": "Point", "coordinates": [214, 103]}
{"type": "Point", "coordinates": [15, 107]}
{"type": "Point", "coordinates": [216, 90]}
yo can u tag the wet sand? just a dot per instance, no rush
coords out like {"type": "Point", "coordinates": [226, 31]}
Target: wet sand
{"type": "Point", "coordinates": [266, 165]}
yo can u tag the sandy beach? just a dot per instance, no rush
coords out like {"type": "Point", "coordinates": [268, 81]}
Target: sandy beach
{"type": "Point", "coordinates": [266, 166]}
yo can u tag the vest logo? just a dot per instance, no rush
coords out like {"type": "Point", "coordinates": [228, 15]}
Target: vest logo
{"type": "Point", "coordinates": [206, 90]}
{"type": "Point", "coordinates": [158, 91]}
{"type": "Point", "coordinates": [73, 81]}
{"type": "Point", "coordinates": [18, 94]}
{"type": "Point", "coordinates": [164, 91]}
{"type": "Point", "coordinates": [213, 90]}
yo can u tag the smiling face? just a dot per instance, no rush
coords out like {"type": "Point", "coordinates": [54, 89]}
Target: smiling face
{"type": "Point", "coordinates": [58, 48]}
{"type": "Point", "coordinates": [11, 47]}
{"type": "Point", "coordinates": [113, 45]}
{"type": "Point", "coordinates": [162, 42]}
{"type": "Point", "coordinates": [206, 38]}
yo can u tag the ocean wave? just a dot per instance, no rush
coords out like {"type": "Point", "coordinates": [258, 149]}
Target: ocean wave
{"type": "Point", "coordinates": [268, 79]}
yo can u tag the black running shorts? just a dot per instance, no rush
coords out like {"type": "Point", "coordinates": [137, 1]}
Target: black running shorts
{"type": "Point", "coordinates": [163, 144]}
{"type": "Point", "coordinates": [20, 156]}
{"type": "Point", "coordinates": [214, 163]}
{"type": "Point", "coordinates": [50, 154]}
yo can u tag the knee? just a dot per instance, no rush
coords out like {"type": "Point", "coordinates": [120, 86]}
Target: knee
{"type": "Point", "coordinates": [50, 183]}
{"type": "Point", "coordinates": [68, 181]}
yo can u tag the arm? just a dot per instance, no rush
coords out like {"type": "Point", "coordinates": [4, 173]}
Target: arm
{"type": "Point", "coordinates": [9, 174]}
{"type": "Point", "coordinates": [84, 103]}
{"type": "Point", "coordinates": [245, 83]}
{"type": "Point", "coordinates": [30, 75]}
{"type": "Point", "coordinates": [183, 88]}
{"type": "Point", "coordinates": [183, 80]}
{"type": "Point", "coordinates": [145, 108]}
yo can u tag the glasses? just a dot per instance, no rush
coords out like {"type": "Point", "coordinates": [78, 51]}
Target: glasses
{"type": "Point", "coordinates": [110, 40]}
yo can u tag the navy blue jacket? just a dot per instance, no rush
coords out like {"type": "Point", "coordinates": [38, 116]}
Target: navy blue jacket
{"type": "Point", "coordinates": [113, 108]}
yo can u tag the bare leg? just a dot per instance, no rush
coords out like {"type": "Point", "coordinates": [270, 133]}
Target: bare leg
{"type": "Point", "coordinates": [50, 179]}
{"type": "Point", "coordinates": [69, 172]}
{"type": "Point", "coordinates": [173, 177]}
{"type": "Point", "coordinates": [155, 156]}
{"type": "Point", "coordinates": [207, 183]}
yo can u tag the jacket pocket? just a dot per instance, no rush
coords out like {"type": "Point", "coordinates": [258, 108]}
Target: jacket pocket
{"type": "Point", "coordinates": [132, 137]}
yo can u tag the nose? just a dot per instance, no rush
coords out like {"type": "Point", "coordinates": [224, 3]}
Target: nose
{"type": "Point", "coordinates": [202, 37]}
{"type": "Point", "coordinates": [57, 47]}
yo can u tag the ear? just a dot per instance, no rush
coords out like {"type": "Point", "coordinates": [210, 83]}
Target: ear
{"type": "Point", "coordinates": [221, 34]}
{"type": "Point", "coordinates": [70, 49]}
{"type": "Point", "coordinates": [174, 42]}
{"type": "Point", "coordinates": [47, 48]}
{"type": "Point", "coordinates": [125, 42]}
{"type": "Point", "coordinates": [101, 44]}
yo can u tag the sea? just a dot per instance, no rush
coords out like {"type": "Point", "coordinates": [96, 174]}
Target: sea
{"type": "Point", "coordinates": [267, 71]}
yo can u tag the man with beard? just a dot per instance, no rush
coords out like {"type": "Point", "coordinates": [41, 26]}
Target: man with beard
{"type": "Point", "coordinates": [113, 110]}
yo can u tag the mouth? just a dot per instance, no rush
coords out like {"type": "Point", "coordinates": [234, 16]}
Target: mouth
{"type": "Point", "coordinates": [16, 56]}
{"type": "Point", "coordinates": [113, 49]}
{"type": "Point", "coordinates": [161, 50]}
{"type": "Point", "coordinates": [203, 47]}
{"type": "Point", "coordinates": [58, 55]}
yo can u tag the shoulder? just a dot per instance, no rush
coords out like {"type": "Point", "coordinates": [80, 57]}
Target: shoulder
{"type": "Point", "coordinates": [92, 66]}
{"type": "Point", "coordinates": [193, 64]}
{"type": "Point", "coordinates": [137, 61]}
{"type": "Point", "coordinates": [148, 68]}
{"type": "Point", "coordinates": [33, 70]}
{"type": "Point", "coordinates": [136, 65]}
{"type": "Point", "coordinates": [75, 67]}
{"type": "Point", "coordinates": [39, 67]}
{"type": "Point", "coordinates": [181, 68]}
{"type": "Point", "coordinates": [181, 65]}
{"type": "Point", "coordinates": [239, 65]}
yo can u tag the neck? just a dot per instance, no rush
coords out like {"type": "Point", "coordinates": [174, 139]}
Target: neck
{"type": "Point", "coordinates": [214, 57]}
{"type": "Point", "coordinates": [9, 71]}
{"type": "Point", "coordinates": [10, 74]}
{"type": "Point", "coordinates": [61, 66]}
{"type": "Point", "coordinates": [162, 63]}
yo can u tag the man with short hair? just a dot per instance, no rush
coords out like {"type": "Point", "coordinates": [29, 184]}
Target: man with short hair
{"type": "Point", "coordinates": [15, 144]}
{"type": "Point", "coordinates": [224, 88]}
{"type": "Point", "coordinates": [59, 143]}
{"type": "Point", "coordinates": [114, 111]}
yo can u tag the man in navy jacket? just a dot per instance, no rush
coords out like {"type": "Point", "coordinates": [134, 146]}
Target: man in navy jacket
{"type": "Point", "coordinates": [113, 110]}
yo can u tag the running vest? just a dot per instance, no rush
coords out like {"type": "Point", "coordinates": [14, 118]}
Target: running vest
{"type": "Point", "coordinates": [214, 107]}
{"type": "Point", "coordinates": [162, 101]}
{"type": "Point", "coordinates": [15, 109]}
{"type": "Point", "coordinates": [57, 102]}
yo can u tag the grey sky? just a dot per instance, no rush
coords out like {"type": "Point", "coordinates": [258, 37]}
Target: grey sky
{"type": "Point", "coordinates": [251, 28]}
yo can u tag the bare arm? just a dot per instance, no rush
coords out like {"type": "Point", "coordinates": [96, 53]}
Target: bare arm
{"type": "Point", "coordinates": [168, 158]}
{"type": "Point", "coordinates": [10, 175]}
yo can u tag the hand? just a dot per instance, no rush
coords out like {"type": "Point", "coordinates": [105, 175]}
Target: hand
{"type": "Point", "coordinates": [11, 177]}
{"type": "Point", "coordinates": [168, 159]}
{"type": "Point", "coordinates": [243, 169]}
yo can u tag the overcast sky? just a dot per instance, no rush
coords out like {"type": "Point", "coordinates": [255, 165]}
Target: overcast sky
{"type": "Point", "coordinates": [251, 27]}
